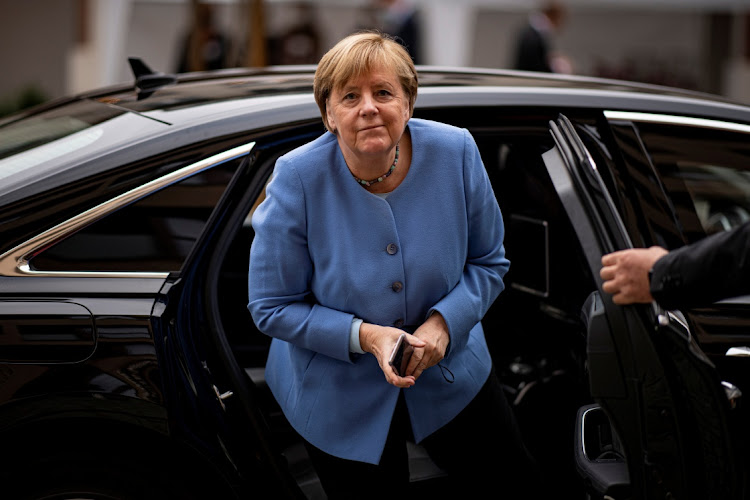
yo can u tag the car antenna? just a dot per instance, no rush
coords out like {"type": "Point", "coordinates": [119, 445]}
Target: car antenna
{"type": "Point", "coordinates": [147, 80]}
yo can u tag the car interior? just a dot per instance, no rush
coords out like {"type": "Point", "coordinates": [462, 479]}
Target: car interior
{"type": "Point", "coordinates": [534, 329]}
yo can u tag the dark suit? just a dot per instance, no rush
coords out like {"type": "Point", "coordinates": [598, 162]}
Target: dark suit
{"type": "Point", "coordinates": [532, 51]}
{"type": "Point", "coordinates": [714, 268]}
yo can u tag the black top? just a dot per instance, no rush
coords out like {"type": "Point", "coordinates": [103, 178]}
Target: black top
{"type": "Point", "coordinates": [703, 272]}
{"type": "Point", "coordinates": [532, 51]}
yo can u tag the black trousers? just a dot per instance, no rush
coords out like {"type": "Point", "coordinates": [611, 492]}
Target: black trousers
{"type": "Point", "coordinates": [481, 450]}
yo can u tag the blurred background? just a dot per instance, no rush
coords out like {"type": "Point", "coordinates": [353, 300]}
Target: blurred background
{"type": "Point", "coordinates": [52, 48]}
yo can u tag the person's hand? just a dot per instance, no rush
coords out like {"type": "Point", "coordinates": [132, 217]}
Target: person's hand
{"type": "Point", "coordinates": [434, 333]}
{"type": "Point", "coordinates": [380, 341]}
{"type": "Point", "coordinates": [625, 274]}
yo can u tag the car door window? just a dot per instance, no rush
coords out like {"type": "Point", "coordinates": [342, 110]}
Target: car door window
{"type": "Point", "coordinates": [705, 174]}
{"type": "Point", "coordinates": [156, 233]}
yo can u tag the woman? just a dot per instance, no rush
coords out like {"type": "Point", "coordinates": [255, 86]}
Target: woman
{"type": "Point", "coordinates": [384, 224]}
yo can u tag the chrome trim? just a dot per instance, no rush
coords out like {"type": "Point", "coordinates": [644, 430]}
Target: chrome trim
{"type": "Point", "coordinates": [680, 319]}
{"type": "Point", "coordinates": [734, 394]}
{"type": "Point", "coordinates": [677, 120]}
{"type": "Point", "coordinates": [15, 262]}
{"type": "Point", "coordinates": [738, 352]}
{"type": "Point", "coordinates": [583, 429]}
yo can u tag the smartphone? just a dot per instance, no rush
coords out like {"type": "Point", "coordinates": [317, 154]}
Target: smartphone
{"type": "Point", "coordinates": [400, 355]}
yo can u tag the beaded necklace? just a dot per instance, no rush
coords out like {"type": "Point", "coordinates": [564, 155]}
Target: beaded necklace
{"type": "Point", "coordinates": [382, 177]}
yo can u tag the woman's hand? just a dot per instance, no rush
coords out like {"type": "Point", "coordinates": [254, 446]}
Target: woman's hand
{"type": "Point", "coordinates": [380, 341]}
{"type": "Point", "coordinates": [434, 333]}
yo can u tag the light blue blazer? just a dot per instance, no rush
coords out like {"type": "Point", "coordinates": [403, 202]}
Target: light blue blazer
{"type": "Point", "coordinates": [326, 251]}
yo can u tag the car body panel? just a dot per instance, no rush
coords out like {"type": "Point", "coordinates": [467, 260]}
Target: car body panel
{"type": "Point", "coordinates": [164, 360]}
{"type": "Point", "coordinates": [45, 331]}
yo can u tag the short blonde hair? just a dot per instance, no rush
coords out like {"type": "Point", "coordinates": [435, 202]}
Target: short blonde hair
{"type": "Point", "coordinates": [358, 54]}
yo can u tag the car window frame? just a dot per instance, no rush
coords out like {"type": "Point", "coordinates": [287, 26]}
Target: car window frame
{"type": "Point", "coordinates": [16, 261]}
{"type": "Point", "coordinates": [675, 234]}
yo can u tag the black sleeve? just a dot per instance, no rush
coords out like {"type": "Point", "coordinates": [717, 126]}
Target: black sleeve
{"type": "Point", "coordinates": [703, 272]}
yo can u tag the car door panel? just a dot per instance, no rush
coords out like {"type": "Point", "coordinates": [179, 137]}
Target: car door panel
{"type": "Point", "coordinates": [45, 331]}
{"type": "Point", "coordinates": [607, 340]}
{"type": "Point", "coordinates": [649, 396]}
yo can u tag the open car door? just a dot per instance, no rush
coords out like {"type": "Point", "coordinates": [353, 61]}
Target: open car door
{"type": "Point", "coordinates": [659, 427]}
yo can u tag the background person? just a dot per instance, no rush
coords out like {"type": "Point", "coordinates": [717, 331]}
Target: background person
{"type": "Point", "coordinates": [382, 225]}
{"type": "Point", "coordinates": [714, 268]}
{"type": "Point", "coordinates": [205, 47]}
{"type": "Point", "coordinates": [400, 19]}
{"type": "Point", "coordinates": [533, 49]}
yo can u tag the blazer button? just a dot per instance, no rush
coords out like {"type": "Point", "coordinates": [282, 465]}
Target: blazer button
{"type": "Point", "coordinates": [398, 323]}
{"type": "Point", "coordinates": [397, 286]}
{"type": "Point", "coordinates": [391, 249]}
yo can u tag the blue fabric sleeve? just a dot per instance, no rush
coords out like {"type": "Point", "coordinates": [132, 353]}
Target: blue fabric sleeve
{"type": "Point", "coordinates": [486, 264]}
{"type": "Point", "coordinates": [279, 297]}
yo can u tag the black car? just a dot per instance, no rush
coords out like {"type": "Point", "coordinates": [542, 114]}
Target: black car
{"type": "Point", "coordinates": [129, 364]}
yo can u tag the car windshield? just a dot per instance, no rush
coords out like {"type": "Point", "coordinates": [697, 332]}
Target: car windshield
{"type": "Point", "coordinates": [48, 141]}
{"type": "Point", "coordinates": [49, 126]}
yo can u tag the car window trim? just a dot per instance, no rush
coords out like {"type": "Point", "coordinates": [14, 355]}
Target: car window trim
{"type": "Point", "coordinates": [15, 262]}
{"type": "Point", "coordinates": [677, 120]}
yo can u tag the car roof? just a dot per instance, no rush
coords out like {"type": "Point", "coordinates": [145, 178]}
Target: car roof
{"type": "Point", "coordinates": [195, 90]}
{"type": "Point", "coordinates": [227, 101]}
